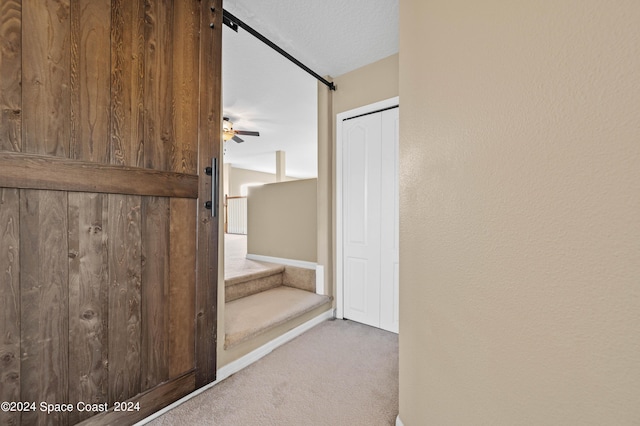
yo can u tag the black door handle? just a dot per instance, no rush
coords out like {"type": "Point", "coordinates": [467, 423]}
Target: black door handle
{"type": "Point", "coordinates": [213, 172]}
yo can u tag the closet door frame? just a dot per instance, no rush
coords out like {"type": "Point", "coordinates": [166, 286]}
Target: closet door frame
{"type": "Point", "coordinates": [339, 227]}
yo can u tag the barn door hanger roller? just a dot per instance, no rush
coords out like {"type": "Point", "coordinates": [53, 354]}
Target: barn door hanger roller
{"type": "Point", "coordinates": [232, 22]}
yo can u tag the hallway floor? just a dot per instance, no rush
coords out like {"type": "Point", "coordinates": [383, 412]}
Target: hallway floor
{"type": "Point", "coordinates": [338, 373]}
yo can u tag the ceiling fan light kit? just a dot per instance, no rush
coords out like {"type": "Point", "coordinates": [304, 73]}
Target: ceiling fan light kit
{"type": "Point", "coordinates": [230, 133]}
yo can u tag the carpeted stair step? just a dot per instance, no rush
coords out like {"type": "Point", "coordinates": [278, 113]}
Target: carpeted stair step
{"type": "Point", "coordinates": [264, 277]}
{"type": "Point", "coordinates": [250, 316]}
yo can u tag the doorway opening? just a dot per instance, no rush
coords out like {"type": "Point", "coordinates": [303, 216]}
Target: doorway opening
{"type": "Point", "coordinates": [269, 185]}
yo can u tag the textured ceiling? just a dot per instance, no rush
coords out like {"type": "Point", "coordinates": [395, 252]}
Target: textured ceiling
{"type": "Point", "coordinates": [332, 37]}
{"type": "Point", "coordinates": [265, 92]}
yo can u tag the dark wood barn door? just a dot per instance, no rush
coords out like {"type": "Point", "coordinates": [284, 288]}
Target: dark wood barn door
{"type": "Point", "coordinates": [109, 113]}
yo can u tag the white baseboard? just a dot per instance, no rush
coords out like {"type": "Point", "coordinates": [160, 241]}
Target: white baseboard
{"type": "Point", "coordinates": [398, 421]}
{"type": "Point", "coordinates": [282, 261]}
{"type": "Point", "coordinates": [245, 361]}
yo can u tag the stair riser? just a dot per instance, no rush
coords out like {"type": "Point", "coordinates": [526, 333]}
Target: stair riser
{"type": "Point", "coordinates": [248, 288]}
{"type": "Point", "coordinates": [303, 279]}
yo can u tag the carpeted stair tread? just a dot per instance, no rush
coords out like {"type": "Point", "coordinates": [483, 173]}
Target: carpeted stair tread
{"type": "Point", "coordinates": [252, 315]}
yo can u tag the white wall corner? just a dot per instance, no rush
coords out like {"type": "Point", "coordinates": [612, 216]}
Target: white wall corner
{"type": "Point", "coordinates": [320, 279]}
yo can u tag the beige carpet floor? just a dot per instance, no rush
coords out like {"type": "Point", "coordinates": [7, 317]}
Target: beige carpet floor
{"type": "Point", "coordinates": [338, 373]}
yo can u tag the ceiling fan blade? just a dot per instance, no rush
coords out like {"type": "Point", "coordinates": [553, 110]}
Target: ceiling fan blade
{"type": "Point", "coordinates": [237, 139]}
{"type": "Point", "coordinates": [247, 133]}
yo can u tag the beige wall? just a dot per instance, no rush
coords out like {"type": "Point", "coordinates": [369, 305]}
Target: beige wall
{"type": "Point", "coordinates": [372, 83]}
{"type": "Point", "coordinates": [281, 220]}
{"type": "Point", "coordinates": [363, 86]}
{"type": "Point", "coordinates": [520, 212]}
{"type": "Point", "coordinates": [239, 177]}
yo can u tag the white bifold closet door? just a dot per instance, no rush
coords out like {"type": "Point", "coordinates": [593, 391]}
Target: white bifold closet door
{"type": "Point", "coordinates": [370, 219]}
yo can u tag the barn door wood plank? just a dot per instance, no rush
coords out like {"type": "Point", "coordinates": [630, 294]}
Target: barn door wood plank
{"type": "Point", "coordinates": [184, 159]}
{"type": "Point", "coordinates": [31, 171]}
{"type": "Point", "coordinates": [127, 82]}
{"type": "Point", "coordinates": [209, 131]}
{"type": "Point", "coordinates": [155, 292]}
{"type": "Point", "coordinates": [90, 80]}
{"type": "Point", "coordinates": [9, 301]}
{"type": "Point", "coordinates": [158, 137]}
{"type": "Point", "coordinates": [44, 297]}
{"type": "Point", "coordinates": [158, 123]}
{"type": "Point", "coordinates": [88, 224]}
{"type": "Point", "coordinates": [185, 60]}
{"type": "Point", "coordinates": [10, 75]}
{"type": "Point", "coordinates": [182, 269]}
{"type": "Point", "coordinates": [46, 77]}
{"type": "Point", "coordinates": [44, 283]}
{"type": "Point", "coordinates": [88, 301]}
{"type": "Point", "coordinates": [125, 263]}
{"type": "Point", "coordinates": [10, 140]}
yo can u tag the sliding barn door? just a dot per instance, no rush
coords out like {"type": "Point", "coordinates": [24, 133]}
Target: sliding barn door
{"type": "Point", "coordinates": [109, 113]}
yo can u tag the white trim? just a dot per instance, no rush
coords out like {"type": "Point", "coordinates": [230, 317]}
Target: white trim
{"type": "Point", "coordinates": [339, 118]}
{"type": "Point", "coordinates": [245, 361]}
{"type": "Point", "coordinates": [320, 279]}
{"type": "Point", "coordinates": [398, 421]}
{"type": "Point", "coordinates": [289, 262]}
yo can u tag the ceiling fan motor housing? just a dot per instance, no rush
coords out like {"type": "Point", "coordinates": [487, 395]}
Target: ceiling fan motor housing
{"type": "Point", "coordinates": [230, 133]}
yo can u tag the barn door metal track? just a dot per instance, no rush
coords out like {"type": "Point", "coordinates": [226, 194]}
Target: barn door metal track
{"type": "Point", "coordinates": [232, 22]}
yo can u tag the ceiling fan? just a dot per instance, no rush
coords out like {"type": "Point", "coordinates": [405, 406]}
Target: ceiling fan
{"type": "Point", "coordinates": [230, 133]}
